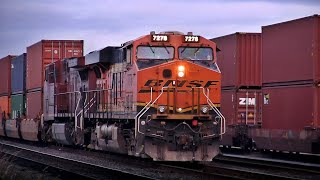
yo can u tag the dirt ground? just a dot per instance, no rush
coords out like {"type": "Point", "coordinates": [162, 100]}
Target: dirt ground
{"type": "Point", "coordinates": [10, 170]}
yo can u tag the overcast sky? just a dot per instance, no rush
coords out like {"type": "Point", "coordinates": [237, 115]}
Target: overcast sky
{"type": "Point", "coordinates": [111, 22]}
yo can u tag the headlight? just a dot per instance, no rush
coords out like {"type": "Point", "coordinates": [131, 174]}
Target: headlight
{"type": "Point", "coordinates": [205, 109]}
{"type": "Point", "coordinates": [181, 70]}
{"type": "Point", "coordinates": [180, 74]}
{"type": "Point", "coordinates": [162, 109]}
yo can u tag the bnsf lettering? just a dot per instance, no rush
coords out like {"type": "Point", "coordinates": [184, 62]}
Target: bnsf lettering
{"type": "Point", "coordinates": [153, 83]}
{"type": "Point", "coordinates": [190, 84]}
{"type": "Point", "coordinates": [247, 101]}
{"type": "Point", "coordinates": [209, 83]}
{"type": "Point", "coordinates": [173, 83]}
{"type": "Point", "coordinates": [195, 83]}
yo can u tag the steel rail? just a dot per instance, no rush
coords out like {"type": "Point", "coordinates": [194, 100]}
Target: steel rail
{"type": "Point", "coordinates": [63, 165]}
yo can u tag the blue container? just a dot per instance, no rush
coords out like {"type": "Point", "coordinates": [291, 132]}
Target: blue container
{"type": "Point", "coordinates": [18, 74]}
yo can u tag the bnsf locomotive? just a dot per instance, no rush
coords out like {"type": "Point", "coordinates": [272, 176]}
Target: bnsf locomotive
{"type": "Point", "coordinates": [156, 96]}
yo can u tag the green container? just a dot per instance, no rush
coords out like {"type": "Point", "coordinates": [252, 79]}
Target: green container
{"type": "Point", "coordinates": [18, 105]}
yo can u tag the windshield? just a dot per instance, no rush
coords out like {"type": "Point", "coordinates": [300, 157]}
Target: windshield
{"type": "Point", "coordinates": [195, 53]}
{"type": "Point", "coordinates": [149, 52]}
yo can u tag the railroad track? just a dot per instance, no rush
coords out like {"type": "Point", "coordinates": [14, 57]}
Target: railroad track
{"type": "Point", "coordinates": [143, 168]}
{"type": "Point", "coordinates": [281, 165]}
{"type": "Point", "coordinates": [66, 168]}
{"type": "Point", "coordinates": [243, 167]}
{"type": "Point", "coordinates": [223, 167]}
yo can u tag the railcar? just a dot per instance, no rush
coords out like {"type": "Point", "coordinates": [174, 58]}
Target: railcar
{"type": "Point", "coordinates": [157, 96]}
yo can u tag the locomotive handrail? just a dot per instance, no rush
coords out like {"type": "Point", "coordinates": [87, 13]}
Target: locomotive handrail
{"type": "Point", "coordinates": [75, 110]}
{"type": "Point", "coordinates": [145, 109]}
{"type": "Point", "coordinates": [90, 103]}
{"type": "Point", "coordinates": [96, 90]}
{"type": "Point", "coordinates": [255, 109]}
{"type": "Point", "coordinates": [66, 93]}
{"type": "Point", "coordinates": [86, 104]}
{"type": "Point", "coordinates": [85, 101]}
{"type": "Point", "coordinates": [137, 129]}
{"type": "Point", "coordinates": [247, 104]}
{"type": "Point", "coordinates": [78, 103]}
{"type": "Point", "coordinates": [216, 110]}
{"type": "Point", "coordinates": [149, 104]}
{"type": "Point", "coordinates": [75, 113]}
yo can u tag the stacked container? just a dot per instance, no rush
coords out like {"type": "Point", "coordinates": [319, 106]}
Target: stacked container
{"type": "Point", "coordinates": [5, 85]}
{"type": "Point", "coordinates": [38, 56]}
{"type": "Point", "coordinates": [291, 86]}
{"type": "Point", "coordinates": [18, 86]}
{"type": "Point", "coordinates": [240, 64]}
{"type": "Point", "coordinates": [291, 74]}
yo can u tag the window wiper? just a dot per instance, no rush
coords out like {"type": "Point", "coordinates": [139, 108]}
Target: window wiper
{"type": "Point", "coordinates": [166, 48]}
{"type": "Point", "coordinates": [184, 48]}
{"type": "Point", "coordinates": [151, 48]}
{"type": "Point", "coordinates": [197, 50]}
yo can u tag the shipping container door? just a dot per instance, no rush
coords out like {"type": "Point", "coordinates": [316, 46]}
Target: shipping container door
{"type": "Point", "coordinates": [248, 107]}
{"type": "Point", "coordinates": [228, 106]}
{"type": "Point", "coordinates": [5, 76]}
{"type": "Point", "coordinates": [18, 74]}
{"type": "Point", "coordinates": [317, 106]}
{"type": "Point", "coordinates": [289, 107]}
{"type": "Point", "coordinates": [5, 105]}
{"type": "Point", "coordinates": [73, 49]}
{"type": "Point", "coordinates": [18, 106]}
{"type": "Point", "coordinates": [34, 105]}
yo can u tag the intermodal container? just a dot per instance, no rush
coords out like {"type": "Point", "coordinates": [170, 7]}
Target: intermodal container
{"type": "Point", "coordinates": [53, 72]}
{"type": "Point", "coordinates": [240, 59]}
{"type": "Point", "coordinates": [45, 52]}
{"type": "Point", "coordinates": [241, 106]}
{"type": "Point", "coordinates": [18, 106]}
{"type": "Point", "coordinates": [34, 104]}
{"type": "Point", "coordinates": [18, 74]}
{"type": "Point", "coordinates": [291, 107]}
{"type": "Point", "coordinates": [5, 75]}
{"type": "Point", "coordinates": [290, 51]}
{"type": "Point", "coordinates": [5, 106]}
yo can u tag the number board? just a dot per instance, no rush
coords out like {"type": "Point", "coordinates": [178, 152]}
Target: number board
{"type": "Point", "coordinates": [194, 39]}
{"type": "Point", "coordinates": [159, 38]}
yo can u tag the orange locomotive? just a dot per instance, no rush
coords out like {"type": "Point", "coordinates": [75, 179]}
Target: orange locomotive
{"type": "Point", "coordinates": [156, 96]}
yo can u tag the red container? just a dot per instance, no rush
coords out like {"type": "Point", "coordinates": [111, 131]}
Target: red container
{"type": "Point", "coordinates": [291, 51]}
{"type": "Point", "coordinates": [240, 59]}
{"type": "Point", "coordinates": [5, 75]}
{"type": "Point", "coordinates": [291, 107]}
{"type": "Point", "coordinates": [34, 104]}
{"type": "Point", "coordinates": [5, 105]}
{"type": "Point", "coordinates": [242, 106]}
{"type": "Point", "coordinates": [45, 52]}
{"type": "Point", "coordinates": [54, 72]}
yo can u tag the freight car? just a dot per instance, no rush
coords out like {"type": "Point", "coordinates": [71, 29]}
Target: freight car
{"type": "Point", "coordinates": [281, 112]}
{"type": "Point", "coordinates": [156, 97]}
